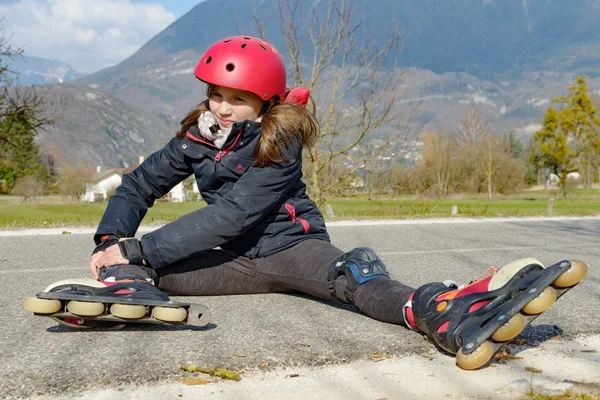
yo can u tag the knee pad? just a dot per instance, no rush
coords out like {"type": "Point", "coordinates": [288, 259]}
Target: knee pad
{"type": "Point", "coordinates": [359, 266]}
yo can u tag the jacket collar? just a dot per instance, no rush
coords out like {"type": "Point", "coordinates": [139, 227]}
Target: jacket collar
{"type": "Point", "coordinates": [242, 131]}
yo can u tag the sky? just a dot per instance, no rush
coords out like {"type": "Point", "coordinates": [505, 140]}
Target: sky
{"type": "Point", "coordinates": [89, 35]}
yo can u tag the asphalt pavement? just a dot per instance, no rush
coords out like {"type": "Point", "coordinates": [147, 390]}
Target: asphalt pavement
{"type": "Point", "coordinates": [266, 332]}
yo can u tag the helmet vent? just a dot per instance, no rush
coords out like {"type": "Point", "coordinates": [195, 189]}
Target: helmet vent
{"type": "Point", "coordinates": [227, 41]}
{"type": "Point", "coordinates": [263, 47]}
{"type": "Point", "coordinates": [230, 67]}
{"type": "Point", "coordinates": [246, 37]}
{"type": "Point", "coordinates": [208, 60]}
{"type": "Point", "coordinates": [244, 46]}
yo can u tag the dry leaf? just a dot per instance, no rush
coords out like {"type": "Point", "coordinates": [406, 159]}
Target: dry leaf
{"type": "Point", "coordinates": [66, 233]}
{"type": "Point", "coordinates": [380, 356]}
{"type": "Point", "coordinates": [505, 355]}
{"type": "Point", "coordinates": [193, 381]}
{"type": "Point", "coordinates": [219, 373]}
{"type": "Point", "coordinates": [534, 370]}
{"type": "Point", "coordinates": [239, 355]}
{"type": "Point", "coordinates": [293, 375]}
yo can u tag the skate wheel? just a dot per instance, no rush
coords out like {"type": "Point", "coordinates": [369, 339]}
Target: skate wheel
{"type": "Point", "coordinates": [506, 273]}
{"type": "Point", "coordinates": [476, 359]}
{"type": "Point", "coordinates": [573, 275]}
{"type": "Point", "coordinates": [169, 314]}
{"type": "Point", "coordinates": [85, 308]}
{"type": "Point", "coordinates": [41, 306]}
{"type": "Point", "coordinates": [511, 329]}
{"type": "Point", "coordinates": [128, 311]}
{"type": "Point", "coordinates": [541, 303]}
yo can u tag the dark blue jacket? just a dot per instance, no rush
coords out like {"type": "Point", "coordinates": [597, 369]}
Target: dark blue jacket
{"type": "Point", "coordinates": [252, 211]}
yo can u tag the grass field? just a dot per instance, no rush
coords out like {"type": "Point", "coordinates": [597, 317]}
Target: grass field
{"type": "Point", "coordinates": [47, 213]}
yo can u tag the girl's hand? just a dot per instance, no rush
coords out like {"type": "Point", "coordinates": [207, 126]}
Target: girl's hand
{"type": "Point", "coordinates": [93, 268]}
{"type": "Point", "coordinates": [107, 258]}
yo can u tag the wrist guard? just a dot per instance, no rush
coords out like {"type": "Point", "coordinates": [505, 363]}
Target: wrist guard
{"type": "Point", "coordinates": [131, 250]}
{"type": "Point", "coordinates": [105, 242]}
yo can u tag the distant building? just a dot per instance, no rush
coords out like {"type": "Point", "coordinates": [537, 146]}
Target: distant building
{"type": "Point", "coordinates": [553, 179]}
{"type": "Point", "coordinates": [101, 184]}
{"type": "Point", "coordinates": [104, 182]}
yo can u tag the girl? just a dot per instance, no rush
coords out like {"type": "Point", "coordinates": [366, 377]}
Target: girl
{"type": "Point", "coordinates": [243, 144]}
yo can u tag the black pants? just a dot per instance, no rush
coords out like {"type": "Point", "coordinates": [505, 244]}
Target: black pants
{"type": "Point", "coordinates": [303, 268]}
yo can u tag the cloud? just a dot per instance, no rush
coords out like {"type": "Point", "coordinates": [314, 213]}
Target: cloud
{"type": "Point", "coordinates": [87, 34]}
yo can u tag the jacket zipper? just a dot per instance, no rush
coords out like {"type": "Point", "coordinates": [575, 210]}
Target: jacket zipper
{"type": "Point", "coordinates": [292, 210]}
{"type": "Point", "coordinates": [221, 153]}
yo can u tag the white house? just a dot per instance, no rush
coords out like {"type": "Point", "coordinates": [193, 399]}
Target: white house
{"type": "Point", "coordinates": [101, 185]}
{"type": "Point", "coordinates": [104, 182]}
{"type": "Point", "coordinates": [177, 194]}
{"type": "Point", "coordinates": [571, 176]}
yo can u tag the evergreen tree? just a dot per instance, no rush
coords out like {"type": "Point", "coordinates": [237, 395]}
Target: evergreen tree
{"type": "Point", "coordinates": [515, 145]}
{"type": "Point", "coordinates": [22, 113]}
{"type": "Point", "coordinates": [20, 153]}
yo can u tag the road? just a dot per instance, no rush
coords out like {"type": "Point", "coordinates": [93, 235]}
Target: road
{"type": "Point", "coordinates": [260, 334]}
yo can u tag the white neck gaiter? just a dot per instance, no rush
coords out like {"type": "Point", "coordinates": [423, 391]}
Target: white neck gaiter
{"type": "Point", "coordinates": [210, 130]}
{"type": "Point", "coordinates": [207, 124]}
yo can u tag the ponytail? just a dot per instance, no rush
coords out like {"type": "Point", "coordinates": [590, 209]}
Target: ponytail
{"type": "Point", "coordinates": [281, 124]}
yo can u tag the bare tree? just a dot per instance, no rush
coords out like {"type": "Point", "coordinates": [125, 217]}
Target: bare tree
{"type": "Point", "coordinates": [489, 149]}
{"type": "Point", "coordinates": [354, 79]}
{"type": "Point", "coordinates": [400, 179]}
{"type": "Point", "coordinates": [29, 187]}
{"type": "Point", "coordinates": [439, 153]}
{"type": "Point", "coordinates": [73, 183]}
{"type": "Point", "coordinates": [471, 127]}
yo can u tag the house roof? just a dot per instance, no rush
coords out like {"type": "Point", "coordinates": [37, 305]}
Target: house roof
{"type": "Point", "coordinates": [105, 173]}
{"type": "Point", "coordinates": [129, 169]}
{"type": "Point", "coordinates": [102, 175]}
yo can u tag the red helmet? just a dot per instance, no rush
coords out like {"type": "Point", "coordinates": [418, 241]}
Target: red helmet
{"type": "Point", "coordinates": [246, 63]}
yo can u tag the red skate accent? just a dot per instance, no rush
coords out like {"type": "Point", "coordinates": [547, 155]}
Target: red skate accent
{"type": "Point", "coordinates": [410, 317]}
{"type": "Point", "coordinates": [74, 321]}
{"type": "Point", "coordinates": [122, 291]}
{"type": "Point", "coordinates": [476, 286]}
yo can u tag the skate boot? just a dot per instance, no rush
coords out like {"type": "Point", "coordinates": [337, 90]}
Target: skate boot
{"type": "Point", "coordinates": [475, 321]}
{"type": "Point", "coordinates": [86, 303]}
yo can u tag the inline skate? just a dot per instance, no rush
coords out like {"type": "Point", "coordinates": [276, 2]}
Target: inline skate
{"type": "Point", "coordinates": [474, 321]}
{"type": "Point", "coordinates": [87, 303]}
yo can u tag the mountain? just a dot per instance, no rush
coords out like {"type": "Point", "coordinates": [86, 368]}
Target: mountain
{"type": "Point", "coordinates": [506, 57]}
{"type": "Point", "coordinates": [41, 71]}
{"type": "Point", "coordinates": [94, 128]}
{"type": "Point", "coordinates": [474, 36]}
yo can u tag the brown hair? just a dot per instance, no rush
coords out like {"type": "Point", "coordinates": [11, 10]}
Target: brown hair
{"type": "Point", "coordinates": [280, 124]}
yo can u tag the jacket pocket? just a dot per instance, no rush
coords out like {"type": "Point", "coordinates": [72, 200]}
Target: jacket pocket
{"type": "Point", "coordinates": [236, 164]}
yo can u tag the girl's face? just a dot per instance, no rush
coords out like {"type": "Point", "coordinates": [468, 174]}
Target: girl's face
{"type": "Point", "coordinates": [232, 105]}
